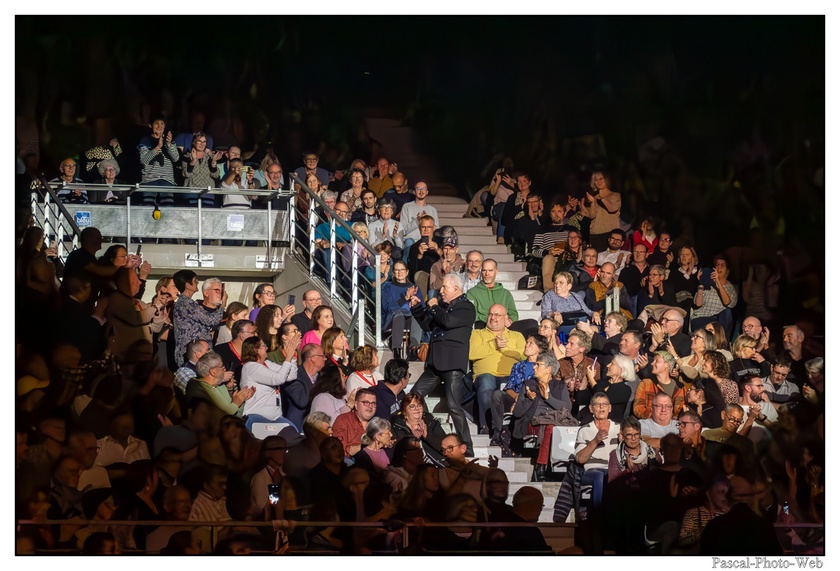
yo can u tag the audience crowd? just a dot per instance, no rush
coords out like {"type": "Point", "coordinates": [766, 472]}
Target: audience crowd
{"type": "Point", "coordinates": [699, 411]}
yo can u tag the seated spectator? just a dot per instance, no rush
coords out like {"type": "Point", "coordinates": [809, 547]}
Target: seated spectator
{"type": "Point", "coordinates": [718, 440]}
{"type": "Point", "coordinates": [657, 291]}
{"type": "Point", "coordinates": [303, 320]}
{"type": "Point", "coordinates": [526, 227]}
{"type": "Point", "coordinates": [568, 257]}
{"type": "Point", "coordinates": [240, 178]}
{"type": "Point", "coordinates": [712, 304]}
{"type": "Point", "coordinates": [721, 340]}
{"type": "Point", "coordinates": [385, 177]}
{"type": "Point", "coordinates": [184, 374]}
{"type": "Point", "coordinates": [368, 213]}
{"type": "Point", "coordinates": [68, 176]}
{"type": "Point", "coordinates": [607, 344]}
{"type": "Point", "coordinates": [661, 422]}
{"type": "Point", "coordinates": [272, 458]}
{"type": "Point", "coordinates": [414, 421]}
{"type": "Point", "coordinates": [329, 394]}
{"type": "Point", "coordinates": [646, 235]}
{"type": "Point", "coordinates": [210, 503]}
{"type": "Point", "coordinates": [540, 407]}
{"type": "Point", "coordinates": [65, 497]}
{"type": "Point", "coordinates": [353, 195]}
{"type": "Point", "coordinates": [425, 252]}
{"type": "Point", "coordinates": [633, 456]}
{"type": "Point", "coordinates": [381, 265]}
{"type": "Point", "coordinates": [296, 392]}
{"type": "Point", "coordinates": [695, 520]}
{"type": "Point", "coordinates": [614, 253]}
{"type": "Point", "coordinates": [396, 293]}
{"type": "Point", "coordinates": [548, 329]}
{"type": "Point", "coordinates": [210, 385]}
{"type": "Point", "coordinates": [585, 272]}
{"type": "Point", "coordinates": [322, 239]}
{"type": "Point", "coordinates": [489, 292]}
{"type": "Point", "coordinates": [493, 352]}
{"type": "Point", "coordinates": [200, 169]}
{"type": "Point", "coordinates": [503, 401]}
{"type": "Point", "coordinates": [322, 319]}
{"type": "Point", "coordinates": [158, 156]}
{"type": "Point", "coordinates": [691, 366]}
{"type": "Point", "coordinates": [670, 324]}
{"type": "Point", "coordinates": [778, 388]}
{"type": "Point", "coordinates": [663, 253]}
{"type": "Point", "coordinates": [606, 294]}
{"type": "Point", "coordinates": [139, 505]}
{"type": "Point", "coordinates": [364, 362]}
{"type": "Point", "coordinates": [685, 278]}
{"type": "Point", "coordinates": [573, 366]}
{"type": "Point", "coordinates": [746, 360]}
{"type": "Point", "coordinates": [619, 385]}
{"type": "Point", "coordinates": [717, 369]}
{"type": "Point", "coordinates": [364, 259]}
{"type": "Point", "coordinates": [265, 378]}
{"type": "Point", "coordinates": [390, 389]}
{"type": "Point", "coordinates": [707, 408]}
{"type": "Point", "coordinates": [350, 426]}
{"type": "Point", "coordinates": [563, 305]}
{"type": "Point", "coordinates": [108, 170]}
{"type": "Point", "coordinates": [234, 312]}
{"type": "Point", "coordinates": [595, 442]}
{"type": "Point", "coordinates": [374, 442]}
{"type": "Point", "coordinates": [661, 367]}
{"type": "Point", "coordinates": [759, 414]}
{"type": "Point", "coordinates": [549, 241]}
{"type": "Point", "coordinates": [231, 352]}
{"type": "Point", "coordinates": [120, 445]}
{"type": "Point", "coordinates": [337, 348]}
{"type": "Point", "coordinates": [450, 262]}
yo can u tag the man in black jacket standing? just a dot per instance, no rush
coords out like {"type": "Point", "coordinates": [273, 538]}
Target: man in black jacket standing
{"type": "Point", "coordinates": [450, 322]}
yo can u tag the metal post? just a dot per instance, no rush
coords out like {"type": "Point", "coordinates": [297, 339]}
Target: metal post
{"type": "Point", "coordinates": [332, 258]}
{"type": "Point", "coordinates": [200, 230]}
{"type": "Point", "coordinates": [313, 218]}
{"type": "Point", "coordinates": [270, 235]}
{"type": "Point", "coordinates": [377, 303]}
{"type": "Point", "coordinates": [355, 301]}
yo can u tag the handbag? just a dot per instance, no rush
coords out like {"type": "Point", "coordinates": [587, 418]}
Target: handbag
{"type": "Point", "coordinates": [572, 317]}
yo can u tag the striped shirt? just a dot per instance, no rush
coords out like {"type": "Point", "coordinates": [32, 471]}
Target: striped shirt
{"type": "Point", "coordinates": [601, 455]}
{"type": "Point", "coordinates": [153, 169]}
{"type": "Point", "coordinates": [548, 236]}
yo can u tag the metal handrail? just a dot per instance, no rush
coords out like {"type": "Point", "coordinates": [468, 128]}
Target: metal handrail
{"type": "Point", "coordinates": [55, 216]}
{"type": "Point", "coordinates": [358, 299]}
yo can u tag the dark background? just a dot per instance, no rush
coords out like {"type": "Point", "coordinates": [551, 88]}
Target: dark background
{"type": "Point", "coordinates": [712, 124]}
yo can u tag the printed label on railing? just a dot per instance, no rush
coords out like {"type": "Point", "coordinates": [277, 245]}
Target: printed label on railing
{"type": "Point", "coordinates": [191, 261]}
{"type": "Point", "coordinates": [235, 222]}
{"type": "Point", "coordinates": [82, 218]}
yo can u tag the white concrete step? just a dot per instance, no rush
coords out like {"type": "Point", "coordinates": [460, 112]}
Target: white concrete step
{"type": "Point", "coordinates": [460, 222]}
{"type": "Point", "coordinates": [530, 295]}
{"type": "Point", "coordinates": [436, 199]}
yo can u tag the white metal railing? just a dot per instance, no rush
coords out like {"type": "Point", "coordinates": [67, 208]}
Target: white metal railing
{"type": "Point", "coordinates": [127, 220]}
{"type": "Point", "coordinates": [357, 300]}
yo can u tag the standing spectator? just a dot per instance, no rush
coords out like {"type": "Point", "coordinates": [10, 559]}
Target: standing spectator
{"type": "Point", "coordinates": [603, 206]}
{"type": "Point", "coordinates": [193, 320]}
{"type": "Point", "coordinates": [663, 253]}
{"type": "Point", "coordinates": [158, 156]}
{"type": "Point", "coordinates": [310, 166]}
{"type": "Point", "coordinates": [646, 236]}
{"type": "Point", "coordinates": [311, 299]}
{"type": "Point", "coordinates": [516, 206]}
{"type": "Point", "coordinates": [412, 212]}
{"type": "Point", "coordinates": [235, 181]}
{"type": "Point", "coordinates": [450, 322]}
{"type": "Point", "coordinates": [200, 169]}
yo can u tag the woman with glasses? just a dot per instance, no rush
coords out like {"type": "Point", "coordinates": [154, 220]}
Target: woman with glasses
{"type": "Point", "coordinates": [541, 398]}
{"type": "Point", "coordinates": [691, 366]}
{"type": "Point", "coordinates": [377, 438]}
{"type": "Point", "coordinates": [633, 457]}
{"type": "Point", "coordinates": [396, 294]}
{"type": "Point", "coordinates": [200, 169]}
{"type": "Point", "coordinates": [548, 329]}
{"type": "Point", "coordinates": [264, 294]}
{"type": "Point", "coordinates": [415, 421]}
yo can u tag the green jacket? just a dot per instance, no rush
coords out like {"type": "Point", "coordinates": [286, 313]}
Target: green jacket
{"type": "Point", "coordinates": [483, 297]}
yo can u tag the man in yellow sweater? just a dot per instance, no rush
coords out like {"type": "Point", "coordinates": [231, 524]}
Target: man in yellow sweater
{"type": "Point", "coordinates": [493, 351]}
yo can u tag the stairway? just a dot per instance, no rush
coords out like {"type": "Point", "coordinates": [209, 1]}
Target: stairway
{"type": "Point", "coordinates": [473, 234]}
